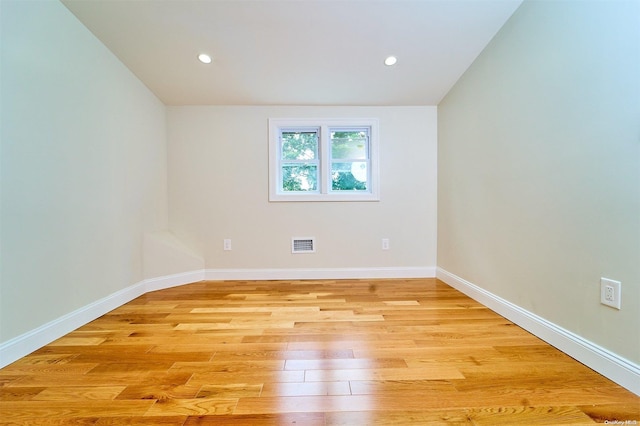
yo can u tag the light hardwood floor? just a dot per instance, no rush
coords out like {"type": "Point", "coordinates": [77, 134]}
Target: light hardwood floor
{"type": "Point", "coordinates": [347, 352]}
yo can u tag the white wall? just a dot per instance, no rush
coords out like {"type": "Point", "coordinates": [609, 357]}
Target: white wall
{"type": "Point", "coordinates": [218, 188]}
{"type": "Point", "coordinates": [539, 168]}
{"type": "Point", "coordinates": [83, 168]}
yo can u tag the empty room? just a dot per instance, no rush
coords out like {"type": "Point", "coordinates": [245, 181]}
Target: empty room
{"type": "Point", "coordinates": [319, 212]}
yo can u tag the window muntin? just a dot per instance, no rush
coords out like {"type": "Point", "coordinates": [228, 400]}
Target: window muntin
{"type": "Point", "coordinates": [323, 160]}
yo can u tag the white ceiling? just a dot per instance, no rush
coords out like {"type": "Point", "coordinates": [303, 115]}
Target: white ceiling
{"type": "Point", "coordinates": [296, 52]}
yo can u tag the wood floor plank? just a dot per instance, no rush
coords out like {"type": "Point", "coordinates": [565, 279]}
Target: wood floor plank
{"type": "Point", "coordinates": [450, 353]}
{"type": "Point", "coordinates": [230, 366]}
{"type": "Point", "coordinates": [303, 419]}
{"type": "Point", "coordinates": [255, 377]}
{"type": "Point", "coordinates": [302, 404]}
{"type": "Point", "coordinates": [141, 421]}
{"type": "Point", "coordinates": [622, 413]}
{"type": "Point", "coordinates": [66, 393]}
{"type": "Point", "coordinates": [52, 369]}
{"type": "Point", "coordinates": [529, 416]}
{"type": "Point", "coordinates": [235, 390]}
{"type": "Point", "coordinates": [176, 338]}
{"type": "Point", "coordinates": [402, 387]}
{"type": "Point", "coordinates": [170, 347]}
{"type": "Point", "coordinates": [282, 355]}
{"type": "Point", "coordinates": [322, 352]}
{"type": "Point", "coordinates": [78, 341]}
{"type": "Point", "coordinates": [162, 359]}
{"type": "Point", "coordinates": [103, 379]}
{"type": "Point", "coordinates": [344, 364]}
{"type": "Point", "coordinates": [306, 389]}
{"type": "Point", "coordinates": [16, 410]}
{"type": "Point", "coordinates": [354, 344]}
{"type": "Point", "coordinates": [435, 373]}
{"type": "Point", "coordinates": [47, 359]}
{"type": "Point", "coordinates": [19, 393]}
{"type": "Point", "coordinates": [241, 324]}
{"type": "Point", "coordinates": [124, 367]}
{"type": "Point", "coordinates": [399, 418]}
{"type": "Point", "coordinates": [193, 407]}
{"type": "Point", "coordinates": [158, 391]}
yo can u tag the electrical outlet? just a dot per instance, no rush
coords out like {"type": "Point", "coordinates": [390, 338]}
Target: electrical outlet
{"type": "Point", "coordinates": [610, 294]}
{"type": "Point", "coordinates": [227, 244]}
{"type": "Point", "coordinates": [385, 244]}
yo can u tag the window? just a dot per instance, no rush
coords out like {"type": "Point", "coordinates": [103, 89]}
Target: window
{"type": "Point", "coordinates": [323, 160]}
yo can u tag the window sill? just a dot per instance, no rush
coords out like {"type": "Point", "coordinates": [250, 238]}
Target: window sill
{"type": "Point", "coordinates": [367, 197]}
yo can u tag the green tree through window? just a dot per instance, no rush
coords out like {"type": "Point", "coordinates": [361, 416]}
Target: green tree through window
{"type": "Point", "coordinates": [300, 160]}
{"type": "Point", "coordinates": [349, 158]}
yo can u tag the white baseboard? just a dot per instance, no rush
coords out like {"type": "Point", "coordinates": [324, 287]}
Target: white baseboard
{"type": "Point", "coordinates": [618, 369]}
{"type": "Point", "coordinates": [174, 280]}
{"type": "Point", "coordinates": [320, 273]}
{"type": "Point", "coordinates": [23, 345]}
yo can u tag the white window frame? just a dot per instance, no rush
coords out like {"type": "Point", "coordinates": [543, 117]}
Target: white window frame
{"type": "Point", "coordinates": [324, 192]}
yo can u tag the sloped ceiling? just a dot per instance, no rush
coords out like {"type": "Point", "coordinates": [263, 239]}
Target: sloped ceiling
{"type": "Point", "coordinates": [296, 52]}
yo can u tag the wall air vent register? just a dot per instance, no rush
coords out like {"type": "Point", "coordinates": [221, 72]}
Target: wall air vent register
{"type": "Point", "coordinates": [303, 245]}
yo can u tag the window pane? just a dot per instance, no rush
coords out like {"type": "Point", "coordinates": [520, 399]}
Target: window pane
{"type": "Point", "coordinates": [299, 145]}
{"type": "Point", "coordinates": [350, 176]}
{"type": "Point", "coordinates": [350, 145]}
{"type": "Point", "coordinates": [299, 177]}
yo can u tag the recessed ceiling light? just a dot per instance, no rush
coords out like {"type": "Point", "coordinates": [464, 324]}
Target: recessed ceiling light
{"type": "Point", "coordinates": [391, 60]}
{"type": "Point", "coordinates": [204, 58]}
